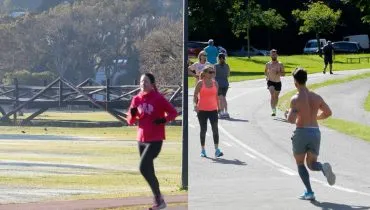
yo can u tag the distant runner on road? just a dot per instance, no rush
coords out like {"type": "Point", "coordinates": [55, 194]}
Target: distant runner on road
{"type": "Point", "coordinates": [303, 111]}
{"type": "Point", "coordinates": [273, 71]}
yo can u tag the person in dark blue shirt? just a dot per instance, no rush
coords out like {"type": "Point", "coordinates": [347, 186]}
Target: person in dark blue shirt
{"type": "Point", "coordinates": [328, 51]}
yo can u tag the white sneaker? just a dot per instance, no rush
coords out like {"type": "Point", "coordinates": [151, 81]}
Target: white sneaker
{"type": "Point", "coordinates": [329, 174]}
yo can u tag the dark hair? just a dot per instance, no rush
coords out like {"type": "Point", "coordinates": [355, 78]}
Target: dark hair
{"type": "Point", "coordinates": [152, 80]}
{"type": "Point", "coordinates": [221, 55]}
{"type": "Point", "coordinates": [151, 77]}
{"type": "Point", "coordinates": [300, 75]}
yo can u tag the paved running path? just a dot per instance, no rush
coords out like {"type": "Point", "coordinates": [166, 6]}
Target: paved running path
{"type": "Point", "coordinates": [98, 203]}
{"type": "Point", "coordinates": [347, 100]}
{"type": "Point", "coordinates": [258, 170]}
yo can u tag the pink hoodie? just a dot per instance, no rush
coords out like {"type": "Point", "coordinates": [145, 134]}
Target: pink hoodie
{"type": "Point", "coordinates": [151, 106]}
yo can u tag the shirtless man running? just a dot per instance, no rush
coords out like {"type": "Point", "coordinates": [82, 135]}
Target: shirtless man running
{"type": "Point", "coordinates": [304, 112]}
{"type": "Point", "coordinates": [273, 71]}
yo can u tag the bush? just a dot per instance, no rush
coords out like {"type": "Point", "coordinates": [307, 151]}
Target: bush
{"type": "Point", "coordinates": [25, 77]}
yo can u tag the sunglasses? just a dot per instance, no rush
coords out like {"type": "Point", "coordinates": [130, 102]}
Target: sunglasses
{"type": "Point", "coordinates": [209, 72]}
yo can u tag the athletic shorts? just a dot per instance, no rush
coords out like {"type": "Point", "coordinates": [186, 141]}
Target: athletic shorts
{"type": "Point", "coordinates": [276, 85]}
{"type": "Point", "coordinates": [306, 139]}
{"type": "Point", "coordinates": [222, 91]}
{"type": "Point", "coordinates": [328, 60]}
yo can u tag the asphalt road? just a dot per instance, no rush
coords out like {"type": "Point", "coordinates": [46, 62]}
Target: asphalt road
{"type": "Point", "coordinates": [258, 170]}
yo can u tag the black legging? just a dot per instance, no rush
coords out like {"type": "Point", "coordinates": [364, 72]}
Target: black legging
{"type": "Point", "coordinates": [203, 116]}
{"type": "Point", "coordinates": [148, 152]}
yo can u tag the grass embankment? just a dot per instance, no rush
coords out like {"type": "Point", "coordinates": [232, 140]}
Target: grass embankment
{"type": "Point", "coordinates": [243, 68]}
{"type": "Point", "coordinates": [350, 128]}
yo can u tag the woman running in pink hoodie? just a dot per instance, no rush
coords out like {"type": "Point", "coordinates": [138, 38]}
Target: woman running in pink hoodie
{"type": "Point", "coordinates": [152, 110]}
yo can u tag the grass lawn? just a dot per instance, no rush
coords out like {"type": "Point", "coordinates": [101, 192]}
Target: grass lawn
{"type": "Point", "coordinates": [284, 100]}
{"type": "Point", "coordinates": [243, 68]}
{"type": "Point", "coordinates": [92, 116]}
{"type": "Point", "coordinates": [106, 168]}
{"type": "Point", "coordinates": [350, 128]}
{"type": "Point", "coordinates": [367, 103]}
{"type": "Point", "coordinates": [119, 133]}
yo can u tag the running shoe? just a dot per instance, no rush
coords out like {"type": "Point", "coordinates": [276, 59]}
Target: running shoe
{"type": "Point", "coordinates": [226, 115]}
{"type": "Point", "coordinates": [220, 115]}
{"type": "Point", "coordinates": [203, 153]}
{"type": "Point", "coordinates": [158, 203]}
{"type": "Point", "coordinates": [218, 153]}
{"type": "Point", "coordinates": [307, 196]}
{"type": "Point", "coordinates": [329, 174]}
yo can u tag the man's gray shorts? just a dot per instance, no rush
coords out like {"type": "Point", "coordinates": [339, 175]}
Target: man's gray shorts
{"type": "Point", "coordinates": [306, 139]}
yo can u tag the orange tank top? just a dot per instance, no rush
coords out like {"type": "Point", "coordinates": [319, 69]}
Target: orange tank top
{"type": "Point", "coordinates": [207, 97]}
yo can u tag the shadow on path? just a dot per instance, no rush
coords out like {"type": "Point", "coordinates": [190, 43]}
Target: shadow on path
{"type": "Point", "coordinates": [337, 206]}
{"type": "Point", "coordinates": [226, 161]}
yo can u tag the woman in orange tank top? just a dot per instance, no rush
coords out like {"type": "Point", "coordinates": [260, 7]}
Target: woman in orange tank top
{"type": "Point", "coordinates": [206, 106]}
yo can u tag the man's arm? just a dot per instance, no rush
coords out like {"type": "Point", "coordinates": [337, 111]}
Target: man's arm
{"type": "Point", "coordinates": [282, 70]}
{"type": "Point", "coordinates": [325, 110]}
{"type": "Point", "coordinates": [292, 112]}
{"type": "Point", "coordinates": [266, 73]}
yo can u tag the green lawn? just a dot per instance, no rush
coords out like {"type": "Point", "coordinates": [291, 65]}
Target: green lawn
{"type": "Point", "coordinates": [350, 128]}
{"type": "Point", "coordinates": [367, 103]}
{"type": "Point", "coordinates": [109, 166]}
{"type": "Point", "coordinates": [284, 100]}
{"type": "Point", "coordinates": [92, 116]}
{"type": "Point", "coordinates": [243, 68]}
{"type": "Point", "coordinates": [120, 133]}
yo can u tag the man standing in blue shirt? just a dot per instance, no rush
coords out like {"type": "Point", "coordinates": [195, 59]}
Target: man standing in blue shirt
{"type": "Point", "coordinates": [211, 52]}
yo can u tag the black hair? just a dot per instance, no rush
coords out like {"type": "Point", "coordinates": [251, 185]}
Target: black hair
{"type": "Point", "coordinates": [152, 80]}
{"type": "Point", "coordinates": [221, 55]}
{"type": "Point", "coordinates": [151, 77]}
{"type": "Point", "coordinates": [300, 75]}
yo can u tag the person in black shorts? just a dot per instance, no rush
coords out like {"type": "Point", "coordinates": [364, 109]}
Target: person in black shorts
{"type": "Point", "coordinates": [273, 71]}
{"type": "Point", "coordinates": [222, 74]}
{"type": "Point", "coordinates": [328, 56]}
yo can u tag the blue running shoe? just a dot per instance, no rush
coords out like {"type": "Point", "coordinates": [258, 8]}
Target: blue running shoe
{"type": "Point", "coordinates": [307, 196]}
{"type": "Point", "coordinates": [218, 153]}
{"type": "Point", "coordinates": [203, 153]}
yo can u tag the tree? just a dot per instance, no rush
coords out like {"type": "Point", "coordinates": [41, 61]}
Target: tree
{"type": "Point", "coordinates": [318, 18]}
{"type": "Point", "coordinates": [244, 17]}
{"type": "Point", "coordinates": [161, 52]}
{"type": "Point", "coordinates": [273, 21]}
{"type": "Point", "coordinates": [364, 6]}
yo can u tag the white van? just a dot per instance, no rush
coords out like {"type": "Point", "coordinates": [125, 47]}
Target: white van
{"type": "Point", "coordinates": [362, 39]}
{"type": "Point", "coordinates": [311, 46]}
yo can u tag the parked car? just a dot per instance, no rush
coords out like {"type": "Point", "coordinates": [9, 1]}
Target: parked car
{"type": "Point", "coordinates": [195, 47]}
{"type": "Point", "coordinates": [311, 46]}
{"type": "Point", "coordinates": [362, 39]}
{"type": "Point", "coordinates": [252, 52]}
{"type": "Point", "coordinates": [346, 47]}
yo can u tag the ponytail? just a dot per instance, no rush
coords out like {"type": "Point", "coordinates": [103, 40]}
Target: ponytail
{"type": "Point", "coordinates": [152, 80]}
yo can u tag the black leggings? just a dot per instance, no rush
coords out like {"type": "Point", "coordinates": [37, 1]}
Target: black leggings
{"type": "Point", "coordinates": [203, 116]}
{"type": "Point", "coordinates": [148, 152]}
